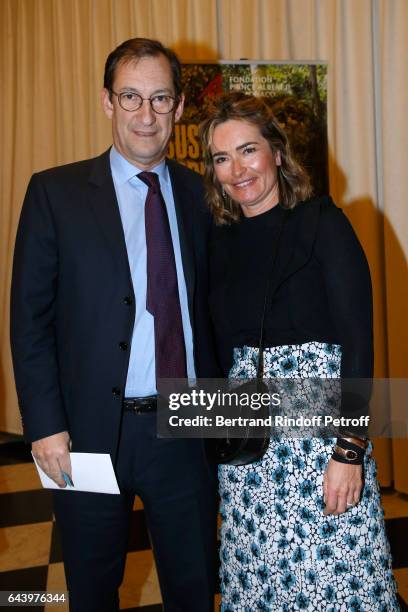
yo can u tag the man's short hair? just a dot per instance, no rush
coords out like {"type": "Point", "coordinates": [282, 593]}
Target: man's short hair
{"type": "Point", "coordinates": [136, 48]}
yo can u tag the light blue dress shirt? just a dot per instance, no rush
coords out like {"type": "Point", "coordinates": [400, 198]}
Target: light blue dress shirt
{"type": "Point", "coordinates": [131, 194]}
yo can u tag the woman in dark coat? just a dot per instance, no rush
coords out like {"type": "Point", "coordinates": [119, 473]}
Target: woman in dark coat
{"type": "Point", "coordinates": [302, 528]}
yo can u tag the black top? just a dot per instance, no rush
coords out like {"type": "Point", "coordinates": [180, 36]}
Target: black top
{"type": "Point", "coordinates": [323, 284]}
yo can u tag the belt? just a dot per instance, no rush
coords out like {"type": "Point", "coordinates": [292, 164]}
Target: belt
{"type": "Point", "coordinates": [140, 405]}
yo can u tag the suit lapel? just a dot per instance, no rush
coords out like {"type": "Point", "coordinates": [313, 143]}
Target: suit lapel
{"type": "Point", "coordinates": [104, 204]}
{"type": "Point", "coordinates": [184, 204]}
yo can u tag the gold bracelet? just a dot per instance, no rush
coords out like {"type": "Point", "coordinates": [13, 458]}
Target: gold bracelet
{"type": "Point", "coordinates": [348, 454]}
{"type": "Point", "coordinates": [352, 434]}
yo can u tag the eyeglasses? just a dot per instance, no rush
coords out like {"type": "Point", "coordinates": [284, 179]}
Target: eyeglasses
{"type": "Point", "coordinates": [160, 103]}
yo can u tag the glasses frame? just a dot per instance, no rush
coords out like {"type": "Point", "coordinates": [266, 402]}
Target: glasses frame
{"type": "Point", "coordinates": [175, 99]}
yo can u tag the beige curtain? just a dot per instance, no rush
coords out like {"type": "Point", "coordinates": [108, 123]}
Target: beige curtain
{"type": "Point", "coordinates": [51, 66]}
{"type": "Point", "coordinates": [393, 180]}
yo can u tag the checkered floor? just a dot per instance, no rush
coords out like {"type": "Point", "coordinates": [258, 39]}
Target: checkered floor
{"type": "Point", "coordinates": [30, 553]}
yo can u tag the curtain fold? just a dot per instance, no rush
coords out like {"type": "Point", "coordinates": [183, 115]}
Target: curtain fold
{"type": "Point", "coordinates": [393, 43]}
{"type": "Point", "coordinates": [51, 67]}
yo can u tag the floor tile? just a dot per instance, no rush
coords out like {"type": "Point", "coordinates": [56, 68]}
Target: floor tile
{"type": "Point", "coordinates": [395, 504]}
{"type": "Point", "coordinates": [401, 576]}
{"type": "Point", "coordinates": [402, 603]}
{"type": "Point", "coordinates": [397, 530]}
{"type": "Point", "coordinates": [138, 504]}
{"type": "Point", "coordinates": [154, 608]}
{"type": "Point", "coordinates": [15, 452]}
{"type": "Point", "coordinates": [19, 477]}
{"type": "Point", "coordinates": [24, 546]}
{"type": "Point", "coordinates": [140, 585]}
{"type": "Point", "coordinates": [56, 584]}
{"type": "Point", "coordinates": [25, 507]}
{"type": "Point", "coordinates": [30, 579]}
{"type": "Point", "coordinates": [9, 437]}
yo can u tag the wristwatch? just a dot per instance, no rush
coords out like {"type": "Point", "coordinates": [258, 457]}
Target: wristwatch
{"type": "Point", "coordinates": [347, 453]}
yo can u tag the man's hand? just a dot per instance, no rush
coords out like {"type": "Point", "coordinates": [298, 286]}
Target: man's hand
{"type": "Point", "coordinates": [342, 486]}
{"type": "Point", "coordinates": [52, 455]}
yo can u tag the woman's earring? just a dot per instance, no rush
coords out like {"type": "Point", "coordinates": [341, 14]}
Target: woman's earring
{"type": "Point", "coordinates": [224, 195]}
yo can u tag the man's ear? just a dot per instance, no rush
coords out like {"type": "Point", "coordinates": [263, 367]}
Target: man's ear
{"type": "Point", "coordinates": [106, 102]}
{"type": "Point", "coordinates": [179, 109]}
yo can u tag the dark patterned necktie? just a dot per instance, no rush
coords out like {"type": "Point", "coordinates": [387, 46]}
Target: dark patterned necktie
{"type": "Point", "coordinates": [162, 297]}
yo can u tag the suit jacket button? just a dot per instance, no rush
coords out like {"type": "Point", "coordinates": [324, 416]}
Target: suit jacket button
{"type": "Point", "coordinates": [123, 346]}
{"type": "Point", "coordinates": [128, 300]}
{"type": "Point", "coordinates": [116, 391]}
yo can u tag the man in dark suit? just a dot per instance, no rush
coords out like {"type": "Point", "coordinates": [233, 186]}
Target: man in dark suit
{"type": "Point", "coordinates": [109, 295]}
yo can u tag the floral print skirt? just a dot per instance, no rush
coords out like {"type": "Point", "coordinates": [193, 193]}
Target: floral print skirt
{"type": "Point", "coordinates": [278, 551]}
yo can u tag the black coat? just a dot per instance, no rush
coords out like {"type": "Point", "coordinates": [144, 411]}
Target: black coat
{"type": "Point", "coordinates": [73, 302]}
{"type": "Point", "coordinates": [321, 279]}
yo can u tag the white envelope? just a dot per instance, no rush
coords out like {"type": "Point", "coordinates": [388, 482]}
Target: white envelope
{"type": "Point", "coordinates": [91, 472]}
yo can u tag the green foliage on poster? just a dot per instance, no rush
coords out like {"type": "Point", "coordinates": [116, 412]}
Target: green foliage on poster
{"type": "Point", "coordinates": [299, 101]}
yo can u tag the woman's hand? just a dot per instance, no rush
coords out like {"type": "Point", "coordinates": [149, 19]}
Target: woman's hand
{"type": "Point", "coordinates": [342, 485]}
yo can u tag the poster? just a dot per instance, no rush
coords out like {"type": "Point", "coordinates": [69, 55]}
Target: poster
{"type": "Point", "coordinates": [299, 94]}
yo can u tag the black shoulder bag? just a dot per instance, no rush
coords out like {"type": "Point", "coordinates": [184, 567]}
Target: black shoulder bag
{"type": "Point", "coordinates": [241, 451]}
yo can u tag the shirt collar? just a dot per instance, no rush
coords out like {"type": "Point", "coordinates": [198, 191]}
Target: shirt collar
{"type": "Point", "coordinates": [123, 171]}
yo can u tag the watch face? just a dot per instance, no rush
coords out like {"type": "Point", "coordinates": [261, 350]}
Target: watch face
{"type": "Point", "coordinates": [350, 454]}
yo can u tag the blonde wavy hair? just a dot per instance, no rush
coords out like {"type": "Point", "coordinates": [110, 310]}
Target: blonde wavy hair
{"type": "Point", "coordinates": [293, 181]}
